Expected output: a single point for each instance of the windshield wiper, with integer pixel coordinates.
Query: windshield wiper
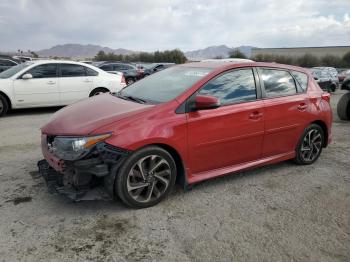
(132, 98)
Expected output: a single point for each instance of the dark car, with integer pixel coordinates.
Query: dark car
(153, 68)
(185, 124)
(6, 63)
(342, 74)
(131, 72)
(325, 79)
(343, 107)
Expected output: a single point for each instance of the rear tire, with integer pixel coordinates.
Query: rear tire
(310, 145)
(4, 105)
(333, 88)
(99, 91)
(343, 107)
(130, 81)
(146, 177)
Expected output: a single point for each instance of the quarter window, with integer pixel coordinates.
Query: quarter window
(70, 70)
(44, 71)
(278, 83)
(233, 87)
(301, 78)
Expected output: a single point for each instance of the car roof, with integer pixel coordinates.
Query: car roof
(227, 65)
(48, 61)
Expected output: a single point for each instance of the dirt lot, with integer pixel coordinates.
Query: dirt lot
(282, 212)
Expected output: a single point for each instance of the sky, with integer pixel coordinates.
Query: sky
(149, 25)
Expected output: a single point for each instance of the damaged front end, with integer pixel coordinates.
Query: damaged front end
(91, 177)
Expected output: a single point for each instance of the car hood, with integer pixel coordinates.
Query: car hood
(83, 117)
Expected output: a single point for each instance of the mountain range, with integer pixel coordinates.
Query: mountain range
(89, 51)
(80, 51)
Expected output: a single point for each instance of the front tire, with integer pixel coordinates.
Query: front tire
(146, 177)
(4, 106)
(343, 107)
(310, 145)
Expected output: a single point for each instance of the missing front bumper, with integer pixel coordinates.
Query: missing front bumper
(55, 184)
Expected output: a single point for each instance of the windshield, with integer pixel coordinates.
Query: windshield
(13, 70)
(165, 85)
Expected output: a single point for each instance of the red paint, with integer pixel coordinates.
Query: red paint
(210, 142)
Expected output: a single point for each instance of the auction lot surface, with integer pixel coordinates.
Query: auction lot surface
(282, 212)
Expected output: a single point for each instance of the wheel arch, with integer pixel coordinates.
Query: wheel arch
(181, 177)
(324, 127)
(7, 99)
(100, 87)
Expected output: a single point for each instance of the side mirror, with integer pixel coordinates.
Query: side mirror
(27, 76)
(202, 102)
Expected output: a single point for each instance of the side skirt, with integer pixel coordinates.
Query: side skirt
(198, 177)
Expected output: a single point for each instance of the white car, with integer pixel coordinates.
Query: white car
(53, 83)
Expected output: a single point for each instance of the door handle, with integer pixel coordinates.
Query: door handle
(87, 81)
(256, 115)
(302, 107)
(51, 83)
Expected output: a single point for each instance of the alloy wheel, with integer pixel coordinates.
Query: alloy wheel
(311, 145)
(148, 179)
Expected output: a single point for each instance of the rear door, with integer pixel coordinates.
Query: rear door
(233, 133)
(74, 83)
(41, 90)
(286, 108)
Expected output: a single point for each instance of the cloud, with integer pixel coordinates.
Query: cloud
(164, 24)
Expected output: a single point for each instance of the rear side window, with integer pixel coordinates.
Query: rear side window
(106, 67)
(44, 71)
(70, 70)
(301, 78)
(90, 72)
(278, 83)
(232, 87)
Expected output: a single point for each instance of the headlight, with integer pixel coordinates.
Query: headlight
(73, 148)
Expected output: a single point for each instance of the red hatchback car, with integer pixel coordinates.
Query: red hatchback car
(187, 123)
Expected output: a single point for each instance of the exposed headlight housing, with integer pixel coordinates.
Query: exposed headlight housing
(73, 148)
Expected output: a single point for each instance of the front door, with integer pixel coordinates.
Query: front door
(231, 134)
(41, 90)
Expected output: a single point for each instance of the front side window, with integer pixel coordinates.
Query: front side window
(301, 78)
(233, 87)
(70, 70)
(278, 83)
(43, 71)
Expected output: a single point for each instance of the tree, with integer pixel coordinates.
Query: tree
(171, 56)
(236, 53)
(346, 60)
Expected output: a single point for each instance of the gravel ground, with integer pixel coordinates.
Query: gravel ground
(282, 212)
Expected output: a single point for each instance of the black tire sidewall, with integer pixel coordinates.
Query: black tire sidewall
(298, 158)
(120, 182)
(5, 105)
(343, 107)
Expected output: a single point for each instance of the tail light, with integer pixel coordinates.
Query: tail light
(326, 97)
(123, 80)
